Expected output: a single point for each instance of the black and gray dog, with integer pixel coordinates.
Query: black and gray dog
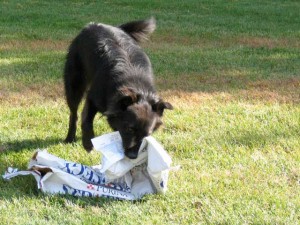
(107, 63)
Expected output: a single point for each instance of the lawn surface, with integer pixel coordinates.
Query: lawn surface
(231, 69)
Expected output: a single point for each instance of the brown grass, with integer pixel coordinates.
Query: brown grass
(35, 45)
(257, 42)
(158, 42)
(184, 90)
(265, 91)
(31, 95)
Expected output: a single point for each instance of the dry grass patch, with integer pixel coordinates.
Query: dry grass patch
(162, 41)
(33, 45)
(178, 92)
(32, 94)
(258, 42)
(276, 90)
(189, 90)
(184, 99)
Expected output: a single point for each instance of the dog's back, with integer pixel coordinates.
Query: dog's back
(111, 54)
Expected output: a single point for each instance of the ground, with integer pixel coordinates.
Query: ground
(231, 69)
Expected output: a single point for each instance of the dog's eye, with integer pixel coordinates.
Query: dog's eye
(129, 130)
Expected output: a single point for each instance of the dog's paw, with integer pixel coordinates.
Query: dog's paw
(69, 140)
(88, 146)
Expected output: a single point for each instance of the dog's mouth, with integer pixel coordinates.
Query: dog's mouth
(132, 153)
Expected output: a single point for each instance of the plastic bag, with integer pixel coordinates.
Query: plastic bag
(117, 177)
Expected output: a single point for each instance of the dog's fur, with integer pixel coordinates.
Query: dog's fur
(108, 64)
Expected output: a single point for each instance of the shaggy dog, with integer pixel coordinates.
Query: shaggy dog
(107, 64)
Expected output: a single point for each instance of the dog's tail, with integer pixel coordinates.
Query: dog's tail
(139, 30)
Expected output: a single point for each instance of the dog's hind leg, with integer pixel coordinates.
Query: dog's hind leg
(88, 115)
(74, 89)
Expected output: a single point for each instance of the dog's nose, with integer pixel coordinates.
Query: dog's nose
(131, 154)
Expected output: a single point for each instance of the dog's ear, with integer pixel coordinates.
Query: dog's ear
(124, 98)
(160, 106)
(127, 97)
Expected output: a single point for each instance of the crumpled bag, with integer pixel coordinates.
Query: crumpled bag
(117, 177)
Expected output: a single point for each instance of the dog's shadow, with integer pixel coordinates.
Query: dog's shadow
(19, 145)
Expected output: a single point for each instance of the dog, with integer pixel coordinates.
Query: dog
(106, 65)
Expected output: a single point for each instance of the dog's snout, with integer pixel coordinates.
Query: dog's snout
(132, 153)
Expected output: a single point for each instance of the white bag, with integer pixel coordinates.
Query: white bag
(117, 177)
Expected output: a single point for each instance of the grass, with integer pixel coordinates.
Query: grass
(230, 68)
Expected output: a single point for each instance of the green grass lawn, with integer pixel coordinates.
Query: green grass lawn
(230, 68)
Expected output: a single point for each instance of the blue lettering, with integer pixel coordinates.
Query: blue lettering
(76, 166)
(73, 168)
(85, 194)
(89, 172)
(84, 172)
(66, 188)
(67, 166)
(101, 191)
(76, 192)
(105, 190)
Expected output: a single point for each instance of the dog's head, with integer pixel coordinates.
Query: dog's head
(135, 117)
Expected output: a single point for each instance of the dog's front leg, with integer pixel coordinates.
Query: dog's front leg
(88, 115)
(72, 128)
